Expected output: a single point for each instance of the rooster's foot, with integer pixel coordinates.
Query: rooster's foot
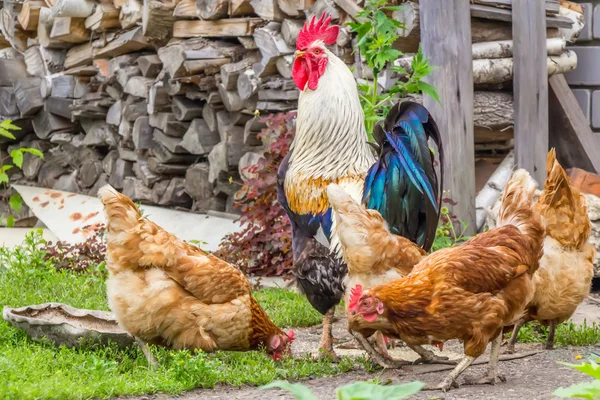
(487, 379)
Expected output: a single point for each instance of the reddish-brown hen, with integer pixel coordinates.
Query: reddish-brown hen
(566, 270)
(468, 292)
(165, 291)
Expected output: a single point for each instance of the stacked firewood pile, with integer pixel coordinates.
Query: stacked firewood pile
(160, 98)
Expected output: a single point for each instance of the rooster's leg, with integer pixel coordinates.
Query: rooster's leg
(429, 357)
(550, 340)
(326, 347)
(491, 376)
(510, 348)
(449, 381)
(375, 356)
(152, 362)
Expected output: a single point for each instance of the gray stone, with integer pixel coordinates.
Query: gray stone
(596, 19)
(595, 109)
(586, 33)
(583, 97)
(588, 71)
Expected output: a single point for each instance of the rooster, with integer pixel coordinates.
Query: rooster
(165, 291)
(331, 146)
(468, 292)
(566, 270)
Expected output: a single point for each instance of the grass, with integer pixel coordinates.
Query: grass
(567, 334)
(31, 370)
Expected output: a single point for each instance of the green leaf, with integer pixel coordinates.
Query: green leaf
(300, 392)
(592, 368)
(17, 157)
(15, 202)
(10, 221)
(3, 177)
(7, 134)
(7, 124)
(585, 390)
(6, 167)
(32, 151)
(429, 90)
(370, 391)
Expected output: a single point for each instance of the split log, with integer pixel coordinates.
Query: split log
(166, 169)
(121, 62)
(231, 72)
(45, 124)
(232, 27)
(209, 115)
(73, 8)
(197, 184)
(284, 66)
(163, 155)
(133, 111)
(492, 190)
(70, 30)
(109, 162)
(232, 100)
(31, 163)
(268, 10)
(251, 129)
(168, 124)
(194, 67)
(572, 34)
(185, 109)
(28, 96)
(240, 8)
(105, 18)
(247, 160)
(143, 172)
(125, 130)
(136, 190)
(217, 160)
(290, 28)
(127, 154)
(11, 71)
(212, 9)
(89, 173)
(99, 134)
(186, 9)
(175, 55)
(158, 99)
(142, 134)
(122, 169)
(247, 84)
(131, 13)
(138, 86)
(8, 102)
(288, 7)
(170, 143)
(114, 116)
(62, 86)
(125, 74)
(278, 95)
(199, 139)
(270, 42)
(59, 106)
(157, 19)
(150, 65)
(30, 15)
(175, 194)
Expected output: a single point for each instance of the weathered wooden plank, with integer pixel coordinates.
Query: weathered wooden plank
(454, 82)
(232, 27)
(576, 145)
(530, 87)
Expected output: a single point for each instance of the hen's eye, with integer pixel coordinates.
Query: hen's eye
(317, 51)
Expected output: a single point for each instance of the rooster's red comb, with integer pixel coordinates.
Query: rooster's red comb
(355, 294)
(317, 31)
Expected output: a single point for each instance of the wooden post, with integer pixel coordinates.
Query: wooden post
(530, 86)
(446, 41)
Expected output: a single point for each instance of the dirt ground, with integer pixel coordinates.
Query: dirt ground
(534, 376)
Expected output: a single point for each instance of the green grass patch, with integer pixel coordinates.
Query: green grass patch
(31, 370)
(567, 334)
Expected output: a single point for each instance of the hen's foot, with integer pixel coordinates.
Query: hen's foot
(510, 349)
(446, 385)
(487, 379)
(435, 359)
(326, 355)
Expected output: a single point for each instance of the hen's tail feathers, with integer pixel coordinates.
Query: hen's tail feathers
(563, 207)
(121, 213)
(517, 209)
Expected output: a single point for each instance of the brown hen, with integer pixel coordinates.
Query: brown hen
(165, 291)
(566, 270)
(468, 292)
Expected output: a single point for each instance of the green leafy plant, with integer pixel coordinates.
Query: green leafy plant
(353, 391)
(450, 230)
(16, 156)
(584, 390)
(376, 33)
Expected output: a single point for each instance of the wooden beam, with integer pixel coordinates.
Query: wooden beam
(448, 46)
(530, 87)
(576, 145)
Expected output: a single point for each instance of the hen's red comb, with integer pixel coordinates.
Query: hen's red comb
(291, 335)
(355, 294)
(315, 31)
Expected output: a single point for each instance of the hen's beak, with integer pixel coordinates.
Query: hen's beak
(299, 53)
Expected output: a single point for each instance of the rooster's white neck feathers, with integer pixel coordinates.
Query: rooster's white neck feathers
(331, 141)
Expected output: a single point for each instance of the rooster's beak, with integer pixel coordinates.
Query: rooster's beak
(299, 53)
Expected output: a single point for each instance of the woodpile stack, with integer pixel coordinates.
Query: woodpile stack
(159, 97)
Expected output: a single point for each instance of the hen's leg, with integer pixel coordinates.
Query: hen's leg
(510, 348)
(491, 377)
(152, 362)
(451, 378)
(326, 346)
(428, 356)
(550, 340)
(382, 346)
(375, 356)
